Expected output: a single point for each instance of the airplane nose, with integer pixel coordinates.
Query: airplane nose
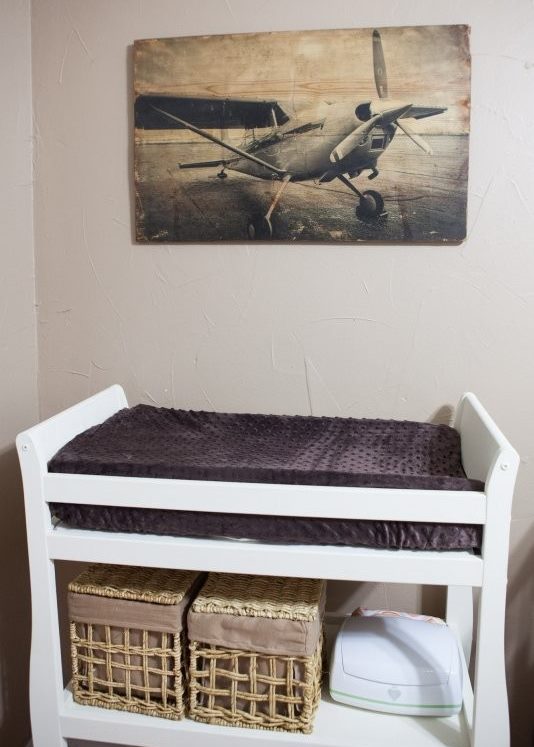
(384, 116)
(390, 115)
(389, 109)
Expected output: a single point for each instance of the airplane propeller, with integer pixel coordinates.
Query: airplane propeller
(378, 113)
(417, 139)
(379, 65)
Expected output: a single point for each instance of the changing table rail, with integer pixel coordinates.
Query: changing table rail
(438, 506)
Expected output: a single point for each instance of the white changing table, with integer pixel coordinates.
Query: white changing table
(487, 455)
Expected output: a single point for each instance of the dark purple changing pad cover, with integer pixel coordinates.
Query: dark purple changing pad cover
(146, 441)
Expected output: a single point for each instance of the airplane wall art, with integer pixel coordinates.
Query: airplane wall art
(346, 135)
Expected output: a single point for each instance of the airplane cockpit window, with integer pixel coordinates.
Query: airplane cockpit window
(377, 142)
(305, 128)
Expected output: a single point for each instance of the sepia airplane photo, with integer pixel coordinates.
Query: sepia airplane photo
(327, 133)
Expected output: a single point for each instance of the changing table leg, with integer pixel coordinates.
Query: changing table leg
(491, 719)
(488, 456)
(46, 678)
(35, 447)
(459, 616)
(46, 682)
(491, 725)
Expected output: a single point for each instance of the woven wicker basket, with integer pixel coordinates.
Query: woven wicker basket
(255, 647)
(127, 640)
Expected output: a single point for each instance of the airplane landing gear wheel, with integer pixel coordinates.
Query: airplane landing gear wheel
(371, 206)
(222, 174)
(260, 229)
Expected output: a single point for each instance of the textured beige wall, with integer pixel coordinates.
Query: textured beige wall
(393, 331)
(18, 357)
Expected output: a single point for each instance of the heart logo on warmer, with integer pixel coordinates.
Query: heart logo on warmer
(394, 693)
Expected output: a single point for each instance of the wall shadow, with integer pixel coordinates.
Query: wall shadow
(520, 643)
(443, 415)
(130, 140)
(15, 617)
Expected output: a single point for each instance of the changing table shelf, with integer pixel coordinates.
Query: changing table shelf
(335, 724)
(440, 567)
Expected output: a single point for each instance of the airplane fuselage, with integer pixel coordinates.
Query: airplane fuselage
(303, 146)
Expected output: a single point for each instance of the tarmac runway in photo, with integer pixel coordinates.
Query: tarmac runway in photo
(424, 196)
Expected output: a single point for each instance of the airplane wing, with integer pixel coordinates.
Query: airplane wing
(206, 164)
(214, 139)
(206, 113)
(420, 112)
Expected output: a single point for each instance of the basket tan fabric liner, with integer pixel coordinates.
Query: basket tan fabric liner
(124, 613)
(153, 599)
(260, 634)
(139, 644)
(234, 620)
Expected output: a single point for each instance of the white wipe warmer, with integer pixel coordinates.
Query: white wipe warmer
(397, 665)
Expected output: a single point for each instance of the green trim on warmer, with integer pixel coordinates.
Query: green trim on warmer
(390, 703)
